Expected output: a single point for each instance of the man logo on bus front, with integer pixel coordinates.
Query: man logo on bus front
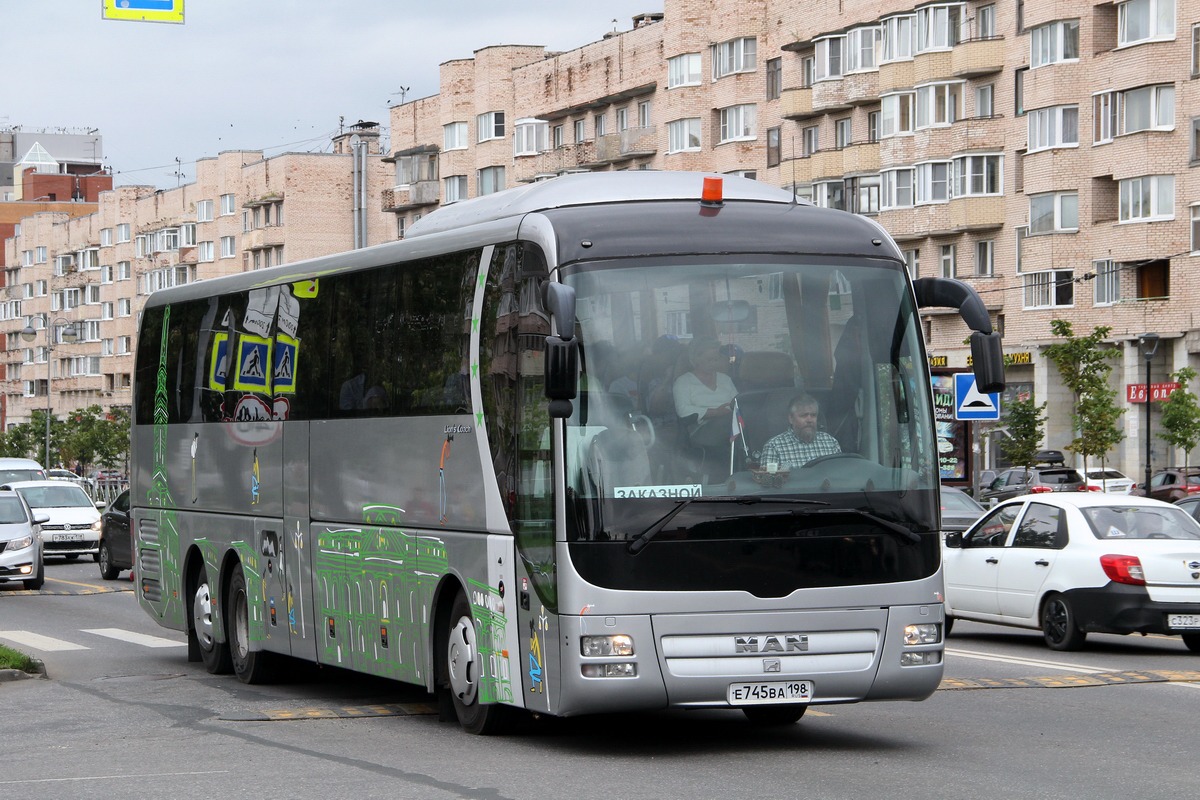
(770, 644)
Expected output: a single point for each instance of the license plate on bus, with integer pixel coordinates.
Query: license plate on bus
(1183, 621)
(767, 692)
(68, 537)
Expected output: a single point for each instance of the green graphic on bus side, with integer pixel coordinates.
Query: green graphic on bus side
(167, 542)
(487, 607)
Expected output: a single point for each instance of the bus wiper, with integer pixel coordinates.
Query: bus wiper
(886, 524)
(645, 536)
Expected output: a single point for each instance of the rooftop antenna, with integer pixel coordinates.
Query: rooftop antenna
(403, 93)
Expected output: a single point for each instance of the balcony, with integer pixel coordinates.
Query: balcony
(979, 133)
(798, 171)
(413, 195)
(861, 88)
(826, 164)
(270, 236)
(554, 162)
(625, 145)
(829, 96)
(977, 57)
(797, 103)
(860, 158)
(895, 75)
(976, 213)
(932, 66)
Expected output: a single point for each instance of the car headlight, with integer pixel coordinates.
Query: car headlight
(96, 526)
(20, 544)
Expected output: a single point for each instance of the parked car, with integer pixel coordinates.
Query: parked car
(63, 475)
(1172, 484)
(72, 527)
(1191, 505)
(1073, 563)
(21, 550)
(1037, 480)
(20, 469)
(116, 545)
(959, 510)
(1109, 480)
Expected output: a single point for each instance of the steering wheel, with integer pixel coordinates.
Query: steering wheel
(639, 420)
(832, 457)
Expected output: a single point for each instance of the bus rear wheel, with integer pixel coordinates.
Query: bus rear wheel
(214, 654)
(250, 666)
(463, 668)
(774, 715)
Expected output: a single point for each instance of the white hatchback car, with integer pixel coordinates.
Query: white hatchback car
(1076, 563)
(73, 525)
(1109, 480)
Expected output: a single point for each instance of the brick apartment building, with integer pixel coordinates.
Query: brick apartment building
(94, 272)
(1043, 152)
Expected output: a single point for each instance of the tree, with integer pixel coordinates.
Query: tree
(1024, 420)
(1083, 364)
(1180, 421)
(96, 436)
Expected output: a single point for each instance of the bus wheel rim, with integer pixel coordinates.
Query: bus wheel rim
(462, 661)
(202, 616)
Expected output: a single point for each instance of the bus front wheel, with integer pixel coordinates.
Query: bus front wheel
(774, 715)
(464, 665)
(250, 666)
(214, 654)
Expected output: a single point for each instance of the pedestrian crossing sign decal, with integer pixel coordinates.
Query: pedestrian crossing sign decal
(970, 403)
(254, 364)
(218, 364)
(283, 368)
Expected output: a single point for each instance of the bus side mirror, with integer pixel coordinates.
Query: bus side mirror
(987, 361)
(561, 365)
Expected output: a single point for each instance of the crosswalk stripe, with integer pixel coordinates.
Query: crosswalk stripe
(135, 638)
(39, 642)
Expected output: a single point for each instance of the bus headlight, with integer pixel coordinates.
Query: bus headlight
(598, 646)
(920, 659)
(626, 670)
(924, 633)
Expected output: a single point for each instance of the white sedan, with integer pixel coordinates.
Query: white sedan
(1109, 480)
(1074, 563)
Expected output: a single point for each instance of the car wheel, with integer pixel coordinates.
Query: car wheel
(36, 582)
(250, 666)
(107, 571)
(462, 668)
(71, 557)
(949, 625)
(1192, 640)
(1059, 626)
(214, 654)
(774, 715)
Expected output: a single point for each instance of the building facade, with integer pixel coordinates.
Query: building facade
(92, 273)
(1043, 152)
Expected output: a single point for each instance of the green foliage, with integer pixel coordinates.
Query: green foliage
(14, 659)
(1083, 362)
(1181, 415)
(91, 436)
(1024, 420)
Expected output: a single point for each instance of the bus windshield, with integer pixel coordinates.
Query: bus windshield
(737, 381)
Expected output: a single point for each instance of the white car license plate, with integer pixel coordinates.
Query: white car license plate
(1183, 621)
(68, 537)
(767, 692)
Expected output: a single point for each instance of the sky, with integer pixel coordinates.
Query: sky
(270, 75)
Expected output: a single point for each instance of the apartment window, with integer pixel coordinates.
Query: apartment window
(738, 122)
(89, 259)
(1195, 50)
(491, 179)
(1148, 198)
(580, 127)
(227, 247)
(842, 133)
(41, 254)
(808, 71)
(938, 27)
(556, 137)
(1104, 117)
(933, 182)
(124, 271)
(683, 70)
(228, 205)
(873, 126)
(599, 125)
(912, 259)
(489, 126)
(1019, 90)
(774, 148)
(106, 237)
(683, 135)
(622, 119)
(985, 258)
(984, 97)
(124, 344)
(1147, 108)
(411, 169)
(981, 174)
(1057, 126)
(899, 38)
(829, 58)
(1143, 20)
(774, 78)
(206, 251)
(896, 114)
(26, 258)
(897, 188)
(1195, 139)
(862, 194)
(124, 307)
(737, 55)
(644, 114)
(830, 194)
(938, 104)
(187, 232)
(454, 136)
(948, 261)
(862, 49)
(1053, 213)
(123, 232)
(529, 137)
(106, 274)
(985, 22)
(1050, 289)
(106, 311)
(810, 141)
(455, 188)
(1054, 43)
(204, 211)
(1107, 282)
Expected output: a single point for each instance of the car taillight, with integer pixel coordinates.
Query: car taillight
(1090, 489)
(1040, 490)
(1123, 569)
(1191, 488)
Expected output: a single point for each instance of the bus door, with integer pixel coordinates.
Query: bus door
(273, 569)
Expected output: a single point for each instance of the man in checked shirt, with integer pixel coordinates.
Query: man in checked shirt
(802, 442)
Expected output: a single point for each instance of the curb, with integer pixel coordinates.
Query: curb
(20, 675)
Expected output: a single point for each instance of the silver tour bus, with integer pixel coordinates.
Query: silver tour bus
(480, 459)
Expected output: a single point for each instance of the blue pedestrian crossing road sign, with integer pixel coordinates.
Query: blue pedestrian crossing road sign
(970, 403)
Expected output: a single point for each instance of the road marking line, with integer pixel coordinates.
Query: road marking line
(135, 638)
(117, 777)
(94, 586)
(39, 642)
(1026, 662)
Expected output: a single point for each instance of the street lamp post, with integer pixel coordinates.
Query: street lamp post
(69, 335)
(1149, 344)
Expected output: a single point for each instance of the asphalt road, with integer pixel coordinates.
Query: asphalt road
(123, 713)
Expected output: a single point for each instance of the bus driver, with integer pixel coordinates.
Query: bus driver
(802, 442)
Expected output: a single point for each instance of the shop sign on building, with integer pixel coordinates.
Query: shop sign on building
(1136, 392)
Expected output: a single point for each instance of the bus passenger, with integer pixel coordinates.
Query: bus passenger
(705, 394)
(801, 442)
